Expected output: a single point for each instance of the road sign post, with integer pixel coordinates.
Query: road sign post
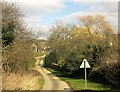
(85, 76)
(85, 65)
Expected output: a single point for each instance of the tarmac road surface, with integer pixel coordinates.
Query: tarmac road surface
(51, 82)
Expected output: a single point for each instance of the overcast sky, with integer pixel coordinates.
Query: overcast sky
(47, 12)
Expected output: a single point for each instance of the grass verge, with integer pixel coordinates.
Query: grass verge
(41, 83)
(79, 84)
(30, 80)
(31, 64)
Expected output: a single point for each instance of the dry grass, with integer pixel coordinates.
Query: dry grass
(31, 80)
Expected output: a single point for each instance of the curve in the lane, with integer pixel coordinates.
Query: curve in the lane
(52, 82)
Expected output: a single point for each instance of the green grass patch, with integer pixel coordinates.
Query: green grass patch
(31, 64)
(57, 73)
(79, 84)
(38, 54)
(41, 83)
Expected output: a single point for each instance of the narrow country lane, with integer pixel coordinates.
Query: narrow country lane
(51, 81)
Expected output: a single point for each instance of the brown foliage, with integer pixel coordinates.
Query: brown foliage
(18, 54)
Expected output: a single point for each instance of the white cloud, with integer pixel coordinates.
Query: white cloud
(32, 19)
(90, 0)
(42, 30)
(33, 10)
(40, 6)
(104, 6)
(109, 10)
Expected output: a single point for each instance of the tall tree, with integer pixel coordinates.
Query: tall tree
(16, 39)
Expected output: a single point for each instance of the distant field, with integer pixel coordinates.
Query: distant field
(78, 84)
(38, 54)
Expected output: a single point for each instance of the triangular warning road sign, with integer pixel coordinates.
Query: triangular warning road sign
(85, 64)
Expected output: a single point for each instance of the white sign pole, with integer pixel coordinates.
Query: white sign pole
(85, 75)
(85, 65)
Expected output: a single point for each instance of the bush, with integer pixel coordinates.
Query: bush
(72, 62)
(50, 58)
(15, 52)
